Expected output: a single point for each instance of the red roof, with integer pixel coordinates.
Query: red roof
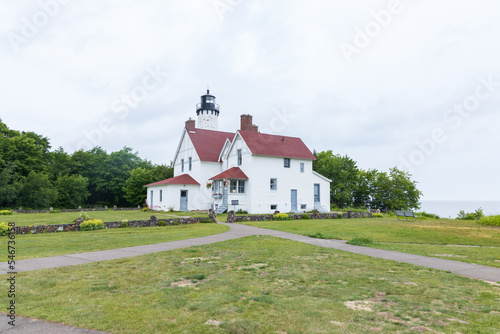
(181, 179)
(208, 143)
(276, 146)
(232, 173)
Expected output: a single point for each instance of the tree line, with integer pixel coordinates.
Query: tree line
(353, 187)
(32, 176)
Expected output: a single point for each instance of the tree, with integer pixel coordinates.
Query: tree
(72, 191)
(344, 175)
(9, 186)
(135, 192)
(37, 191)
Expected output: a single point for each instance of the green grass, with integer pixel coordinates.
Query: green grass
(22, 219)
(422, 237)
(51, 244)
(257, 284)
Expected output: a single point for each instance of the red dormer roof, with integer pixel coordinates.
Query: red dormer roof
(181, 179)
(276, 146)
(208, 143)
(232, 173)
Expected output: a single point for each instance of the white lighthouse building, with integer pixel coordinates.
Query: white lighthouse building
(246, 169)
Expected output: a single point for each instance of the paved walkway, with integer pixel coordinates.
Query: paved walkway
(28, 326)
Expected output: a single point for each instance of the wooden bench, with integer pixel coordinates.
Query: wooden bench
(406, 214)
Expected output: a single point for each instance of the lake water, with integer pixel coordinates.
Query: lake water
(446, 209)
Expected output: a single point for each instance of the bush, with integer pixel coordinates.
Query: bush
(5, 212)
(305, 216)
(4, 229)
(424, 215)
(206, 221)
(145, 209)
(241, 212)
(281, 216)
(124, 223)
(55, 211)
(92, 224)
(162, 223)
(360, 241)
(85, 216)
(490, 220)
(377, 215)
(477, 215)
(339, 215)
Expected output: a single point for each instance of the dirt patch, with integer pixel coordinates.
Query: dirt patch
(360, 305)
(200, 260)
(215, 323)
(184, 283)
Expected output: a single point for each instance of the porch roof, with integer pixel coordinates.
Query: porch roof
(181, 179)
(232, 173)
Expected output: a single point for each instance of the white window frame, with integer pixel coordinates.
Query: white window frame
(287, 162)
(182, 165)
(275, 184)
(190, 163)
(302, 167)
(239, 154)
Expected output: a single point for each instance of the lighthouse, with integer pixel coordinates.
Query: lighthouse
(208, 112)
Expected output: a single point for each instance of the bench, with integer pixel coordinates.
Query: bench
(406, 214)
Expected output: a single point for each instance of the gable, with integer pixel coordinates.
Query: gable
(208, 143)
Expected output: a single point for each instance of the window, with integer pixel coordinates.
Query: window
(303, 206)
(240, 158)
(274, 184)
(302, 167)
(161, 195)
(182, 165)
(286, 162)
(190, 163)
(235, 202)
(217, 187)
(237, 187)
(241, 186)
(274, 206)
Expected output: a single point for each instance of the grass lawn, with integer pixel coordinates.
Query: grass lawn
(23, 219)
(426, 237)
(258, 284)
(51, 244)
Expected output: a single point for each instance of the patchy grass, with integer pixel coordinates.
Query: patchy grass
(51, 244)
(22, 219)
(429, 237)
(258, 284)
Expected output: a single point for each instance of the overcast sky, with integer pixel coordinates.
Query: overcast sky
(414, 84)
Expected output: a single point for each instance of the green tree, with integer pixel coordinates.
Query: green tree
(135, 192)
(37, 191)
(344, 175)
(9, 186)
(72, 191)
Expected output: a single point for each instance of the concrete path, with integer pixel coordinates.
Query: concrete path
(32, 326)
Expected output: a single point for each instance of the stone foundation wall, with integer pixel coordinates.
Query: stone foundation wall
(232, 218)
(76, 210)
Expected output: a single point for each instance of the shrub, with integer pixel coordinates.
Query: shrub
(339, 215)
(5, 212)
(4, 229)
(145, 209)
(92, 224)
(162, 223)
(55, 211)
(490, 220)
(242, 212)
(360, 241)
(477, 215)
(124, 223)
(281, 216)
(377, 215)
(305, 216)
(206, 221)
(85, 216)
(424, 215)
(170, 209)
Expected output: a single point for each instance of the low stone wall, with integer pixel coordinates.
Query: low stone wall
(232, 218)
(76, 210)
(153, 221)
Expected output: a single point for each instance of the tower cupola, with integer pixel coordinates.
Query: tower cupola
(208, 112)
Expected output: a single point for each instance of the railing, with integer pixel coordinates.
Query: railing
(211, 106)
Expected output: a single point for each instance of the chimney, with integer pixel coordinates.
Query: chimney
(190, 124)
(246, 124)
